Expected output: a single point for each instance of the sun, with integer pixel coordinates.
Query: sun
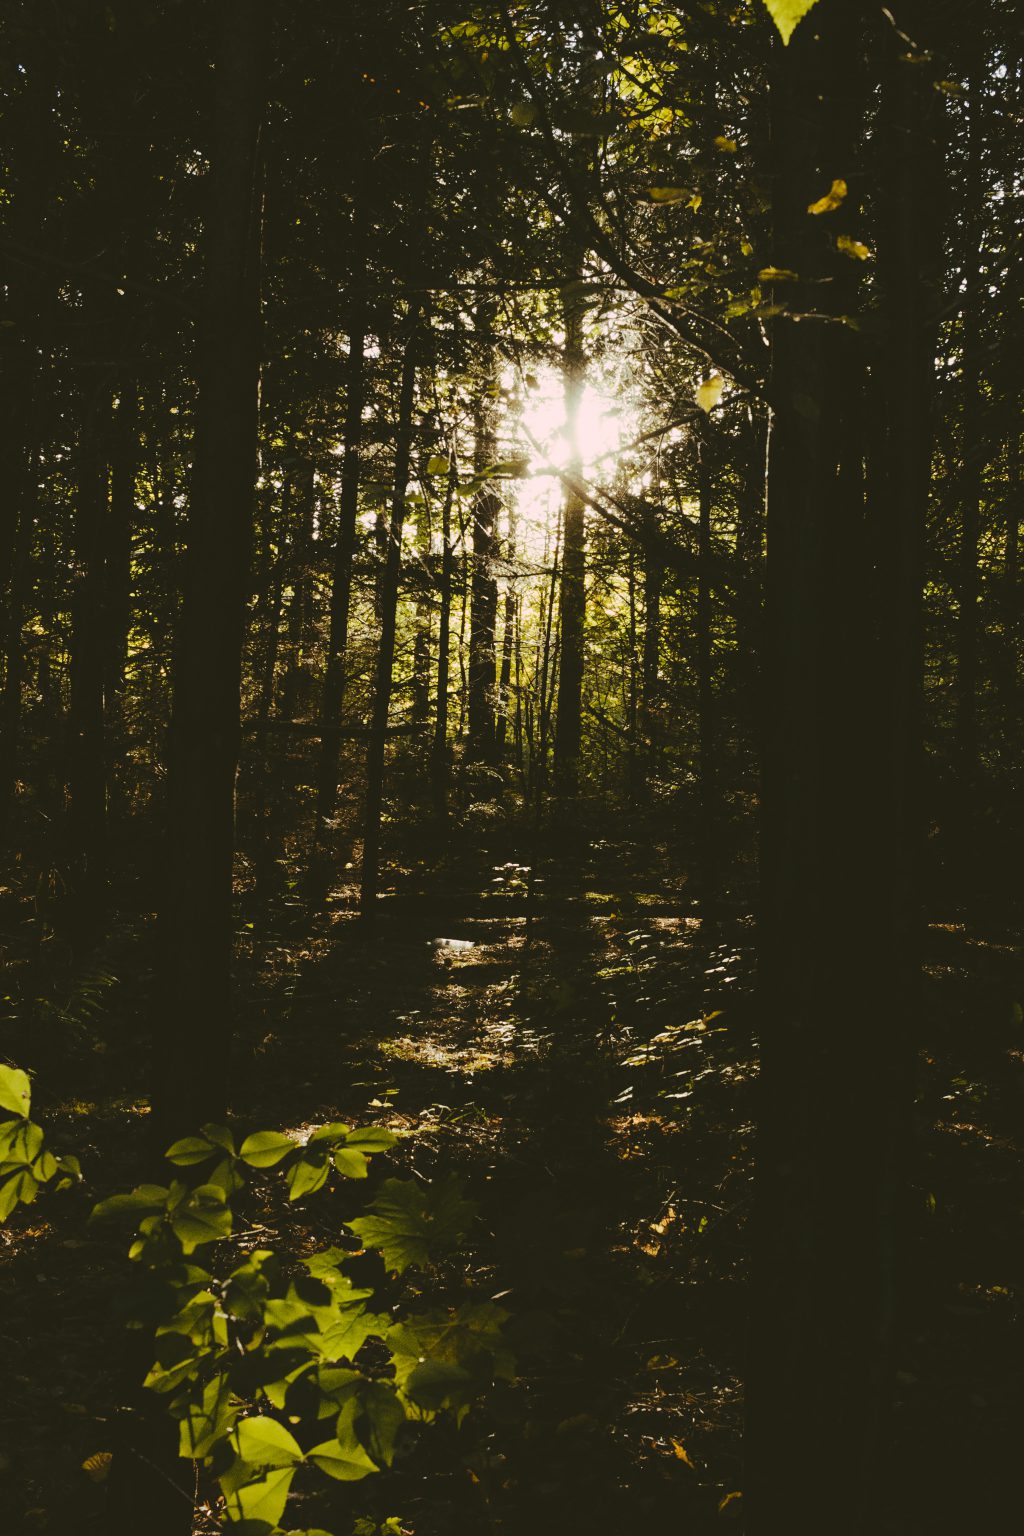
(599, 426)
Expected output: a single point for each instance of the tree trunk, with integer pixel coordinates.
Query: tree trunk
(118, 589)
(341, 586)
(193, 1039)
(440, 759)
(972, 455)
(572, 597)
(838, 921)
(706, 766)
(507, 635)
(654, 576)
(390, 577)
(484, 605)
(87, 754)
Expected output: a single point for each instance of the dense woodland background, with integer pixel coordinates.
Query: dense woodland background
(510, 553)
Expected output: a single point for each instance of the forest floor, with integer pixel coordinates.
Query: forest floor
(581, 1052)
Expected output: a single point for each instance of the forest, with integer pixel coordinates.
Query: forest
(511, 823)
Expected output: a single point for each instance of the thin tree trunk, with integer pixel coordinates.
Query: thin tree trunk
(333, 701)
(440, 759)
(390, 577)
(87, 754)
(118, 588)
(654, 577)
(572, 600)
(706, 765)
(509, 622)
(484, 606)
(972, 453)
(193, 1039)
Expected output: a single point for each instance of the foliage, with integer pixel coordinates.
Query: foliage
(26, 1163)
(253, 1335)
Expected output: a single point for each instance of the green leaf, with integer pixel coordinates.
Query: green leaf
(329, 1134)
(15, 1091)
(307, 1176)
(787, 15)
(147, 1197)
(709, 393)
(264, 1498)
(263, 1442)
(220, 1136)
(412, 1223)
(22, 1189)
(206, 1424)
(21, 1141)
(44, 1167)
(265, 1148)
(202, 1218)
(668, 194)
(371, 1139)
(436, 465)
(189, 1151)
(381, 1419)
(350, 1163)
(347, 1463)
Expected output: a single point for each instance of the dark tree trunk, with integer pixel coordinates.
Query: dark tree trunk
(193, 1038)
(390, 576)
(654, 576)
(572, 597)
(294, 690)
(87, 768)
(484, 606)
(20, 469)
(507, 636)
(706, 765)
(333, 701)
(118, 588)
(838, 924)
(440, 759)
(972, 456)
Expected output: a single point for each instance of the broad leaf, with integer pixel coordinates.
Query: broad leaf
(264, 1498)
(347, 1463)
(265, 1148)
(787, 15)
(263, 1442)
(15, 1091)
(412, 1223)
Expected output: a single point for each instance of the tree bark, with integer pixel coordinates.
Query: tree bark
(484, 594)
(87, 767)
(838, 921)
(572, 596)
(341, 585)
(440, 760)
(390, 576)
(193, 1039)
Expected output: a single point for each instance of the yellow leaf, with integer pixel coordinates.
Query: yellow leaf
(668, 194)
(731, 1506)
(851, 247)
(777, 275)
(727, 145)
(787, 14)
(98, 1466)
(710, 392)
(832, 199)
(680, 1451)
(695, 201)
